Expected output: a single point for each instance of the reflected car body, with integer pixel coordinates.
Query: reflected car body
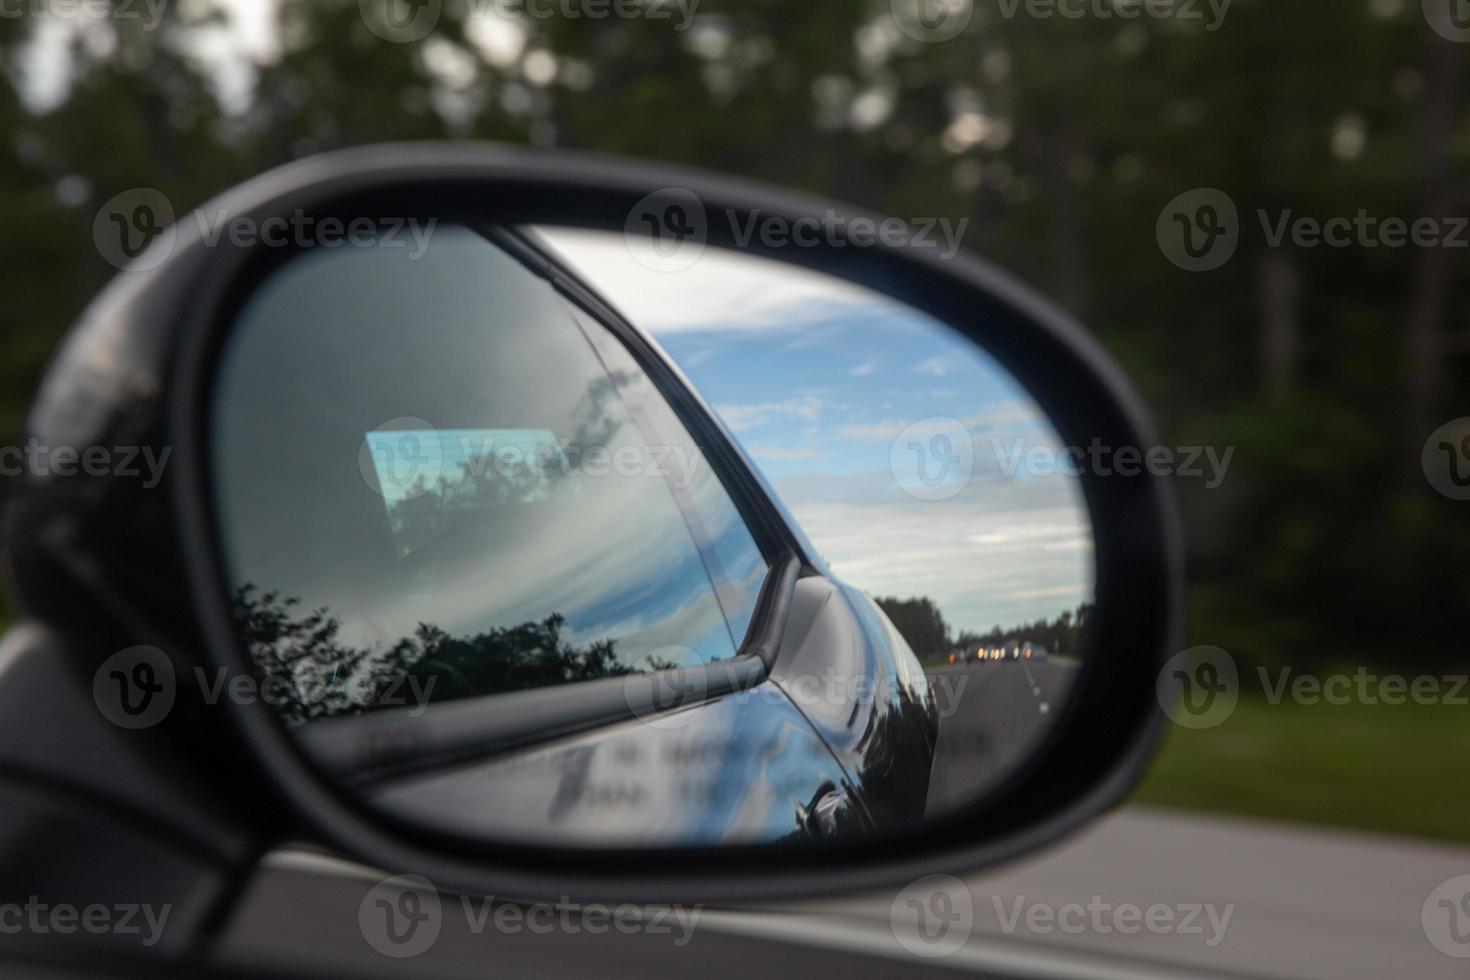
(839, 737)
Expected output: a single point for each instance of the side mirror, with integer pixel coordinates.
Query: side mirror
(559, 526)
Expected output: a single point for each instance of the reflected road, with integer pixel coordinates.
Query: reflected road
(991, 713)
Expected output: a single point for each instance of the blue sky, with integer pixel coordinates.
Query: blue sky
(845, 400)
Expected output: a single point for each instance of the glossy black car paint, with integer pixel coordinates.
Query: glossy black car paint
(748, 766)
(105, 564)
(738, 769)
(838, 642)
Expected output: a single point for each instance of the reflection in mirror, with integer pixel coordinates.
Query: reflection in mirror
(922, 471)
(502, 576)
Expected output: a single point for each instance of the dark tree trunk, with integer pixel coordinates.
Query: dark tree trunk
(1280, 326)
(1433, 274)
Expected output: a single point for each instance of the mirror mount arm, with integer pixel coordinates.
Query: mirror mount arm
(772, 612)
(366, 749)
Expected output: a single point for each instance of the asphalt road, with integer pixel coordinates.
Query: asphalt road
(990, 715)
(1304, 902)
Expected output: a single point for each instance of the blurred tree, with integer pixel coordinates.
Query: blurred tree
(1063, 139)
(1061, 636)
(920, 623)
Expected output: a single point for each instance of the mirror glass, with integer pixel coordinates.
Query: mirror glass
(729, 553)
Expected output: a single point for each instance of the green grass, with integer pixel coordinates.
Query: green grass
(1397, 769)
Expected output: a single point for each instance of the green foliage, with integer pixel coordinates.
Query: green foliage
(1372, 767)
(920, 623)
(1324, 537)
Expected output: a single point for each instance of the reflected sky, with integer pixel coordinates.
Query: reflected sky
(821, 381)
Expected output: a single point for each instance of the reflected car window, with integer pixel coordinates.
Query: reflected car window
(434, 469)
(731, 556)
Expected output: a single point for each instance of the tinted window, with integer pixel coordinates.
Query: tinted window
(426, 467)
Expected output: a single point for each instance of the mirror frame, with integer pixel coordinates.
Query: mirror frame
(1095, 751)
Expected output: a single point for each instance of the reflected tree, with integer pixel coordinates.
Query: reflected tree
(923, 627)
(1062, 636)
(492, 476)
(302, 664)
(310, 673)
(425, 512)
(435, 523)
(516, 658)
(920, 622)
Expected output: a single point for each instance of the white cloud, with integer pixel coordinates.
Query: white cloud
(742, 418)
(991, 416)
(782, 454)
(1003, 551)
(936, 366)
(723, 290)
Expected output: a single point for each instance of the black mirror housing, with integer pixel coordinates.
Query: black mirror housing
(115, 564)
